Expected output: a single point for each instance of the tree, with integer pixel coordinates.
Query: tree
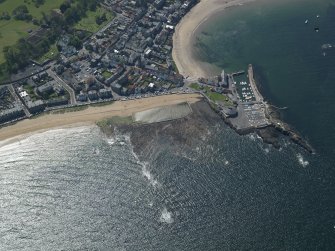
(76, 42)
(64, 6)
(38, 3)
(22, 13)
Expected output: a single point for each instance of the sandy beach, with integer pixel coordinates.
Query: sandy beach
(92, 114)
(183, 37)
(183, 57)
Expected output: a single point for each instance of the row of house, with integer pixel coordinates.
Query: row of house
(11, 114)
(95, 95)
(129, 54)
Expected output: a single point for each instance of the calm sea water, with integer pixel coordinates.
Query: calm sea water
(228, 193)
(291, 67)
(231, 192)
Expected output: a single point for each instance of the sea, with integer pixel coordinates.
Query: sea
(79, 189)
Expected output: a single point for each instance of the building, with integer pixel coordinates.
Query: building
(93, 95)
(116, 88)
(230, 112)
(11, 114)
(82, 97)
(223, 79)
(46, 88)
(57, 102)
(105, 94)
(35, 106)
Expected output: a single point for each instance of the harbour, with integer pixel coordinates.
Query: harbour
(193, 183)
(248, 112)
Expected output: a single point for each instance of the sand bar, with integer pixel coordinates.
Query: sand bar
(183, 37)
(93, 114)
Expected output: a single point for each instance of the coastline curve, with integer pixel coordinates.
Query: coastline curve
(182, 53)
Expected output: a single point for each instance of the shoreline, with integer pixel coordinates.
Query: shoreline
(89, 116)
(183, 38)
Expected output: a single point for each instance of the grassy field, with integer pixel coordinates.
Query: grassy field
(12, 30)
(88, 23)
(214, 96)
(195, 86)
(107, 74)
(51, 54)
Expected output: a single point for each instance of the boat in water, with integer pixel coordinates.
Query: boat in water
(306, 21)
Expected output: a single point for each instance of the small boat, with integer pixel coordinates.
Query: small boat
(316, 29)
(306, 21)
(317, 16)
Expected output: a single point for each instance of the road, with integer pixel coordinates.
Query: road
(65, 85)
(12, 91)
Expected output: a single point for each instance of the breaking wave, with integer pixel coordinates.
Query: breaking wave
(166, 216)
(301, 160)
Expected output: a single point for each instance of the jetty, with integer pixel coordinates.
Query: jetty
(237, 73)
(257, 94)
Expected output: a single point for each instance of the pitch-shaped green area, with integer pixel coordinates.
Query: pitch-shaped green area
(51, 54)
(89, 23)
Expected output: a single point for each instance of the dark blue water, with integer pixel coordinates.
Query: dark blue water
(292, 69)
(230, 192)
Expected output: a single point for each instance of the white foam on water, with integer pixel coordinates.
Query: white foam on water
(110, 141)
(146, 173)
(252, 137)
(301, 160)
(118, 138)
(145, 170)
(166, 216)
(96, 151)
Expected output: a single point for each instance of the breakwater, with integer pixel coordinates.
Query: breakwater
(256, 116)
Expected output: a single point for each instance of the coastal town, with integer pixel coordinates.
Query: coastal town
(130, 58)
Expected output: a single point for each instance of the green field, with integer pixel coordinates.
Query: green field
(51, 54)
(88, 23)
(214, 96)
(195, 86)
(12, 30)
(107, 74)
